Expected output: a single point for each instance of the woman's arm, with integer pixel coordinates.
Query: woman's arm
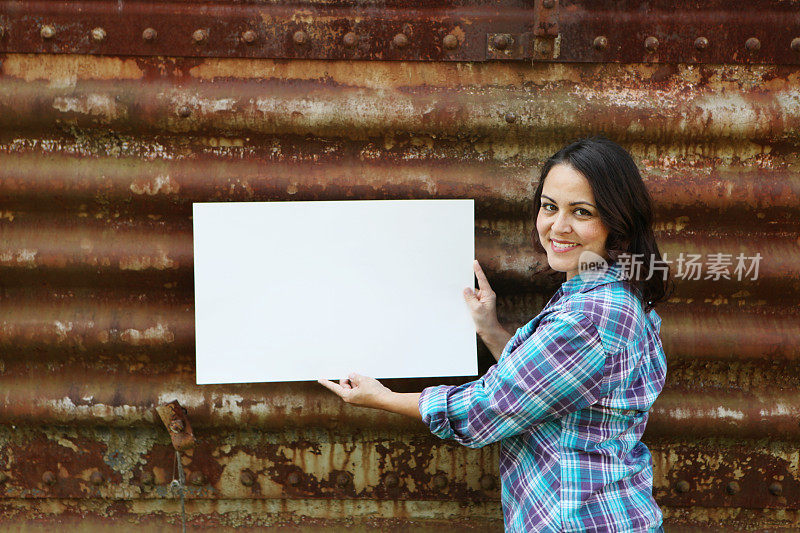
(495, 339)
(369, 392)
(404, 403)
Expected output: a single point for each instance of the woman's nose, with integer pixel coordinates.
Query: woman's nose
(561, 224)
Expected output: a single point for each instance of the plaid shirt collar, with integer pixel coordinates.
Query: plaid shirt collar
(589, 280)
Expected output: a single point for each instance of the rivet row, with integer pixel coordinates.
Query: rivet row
(300, 37)
(400, 40)
(701, 43)
(731, 488)
(390, 480)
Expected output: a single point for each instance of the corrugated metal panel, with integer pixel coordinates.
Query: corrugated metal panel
(101, 158)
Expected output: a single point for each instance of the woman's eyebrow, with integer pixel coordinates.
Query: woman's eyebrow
(573, 203)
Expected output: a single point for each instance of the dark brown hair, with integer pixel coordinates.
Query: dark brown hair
(625, 208)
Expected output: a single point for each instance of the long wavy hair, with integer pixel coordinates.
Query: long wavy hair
(625, 207)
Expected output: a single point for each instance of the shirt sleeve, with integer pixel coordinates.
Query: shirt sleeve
(558, 370)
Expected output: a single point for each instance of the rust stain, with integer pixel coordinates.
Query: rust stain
(67, 70)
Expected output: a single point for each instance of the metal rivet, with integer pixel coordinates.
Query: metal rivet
(49, 478)
(249, 36)
(487, 482)
(549, 4)
(500, 42)
(300, 37)
(342, 479)
(701, 43)
(350, 39)
(682, 486)
(440, 481)
(776, 489)
(450, 41)
(247, 478)
(199, 36)
(3, 477)
(184, 112)
(732, 487)
(98, 34)
(391, 481)
(177, 425)
(400, 40)
(149, 34)
(795, 46)
(752, 44)
(293, 479)
(600, 43)
(511, 118)
(196, 478)
(650, 44)
(47, 32)
(148, 478)
(96, 478)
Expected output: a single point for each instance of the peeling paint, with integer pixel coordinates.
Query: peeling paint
(161, 184)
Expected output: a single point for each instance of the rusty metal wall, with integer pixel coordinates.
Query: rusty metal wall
(102, 153)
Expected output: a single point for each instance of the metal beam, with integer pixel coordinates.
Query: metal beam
(713, 31)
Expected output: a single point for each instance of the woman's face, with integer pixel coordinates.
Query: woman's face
(568, 221)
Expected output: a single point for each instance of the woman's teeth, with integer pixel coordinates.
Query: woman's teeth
(558, 246)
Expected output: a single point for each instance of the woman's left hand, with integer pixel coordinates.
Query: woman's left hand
(359, 390)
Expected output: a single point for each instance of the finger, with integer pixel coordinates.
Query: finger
(334, 387)
(344, 382)
(483, 283)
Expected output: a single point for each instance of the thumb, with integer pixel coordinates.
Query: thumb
(469, 294)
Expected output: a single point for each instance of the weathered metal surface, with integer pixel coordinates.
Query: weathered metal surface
(710, 31)
(173, 415)
(251, 30)
(363, 516)
(365, 464)
(102, 157)
(248, 107)
(713, 31)
(120, 400)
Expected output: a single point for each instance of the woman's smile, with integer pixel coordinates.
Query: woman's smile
(562, 246)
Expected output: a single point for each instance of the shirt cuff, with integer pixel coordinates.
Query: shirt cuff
(433, 406)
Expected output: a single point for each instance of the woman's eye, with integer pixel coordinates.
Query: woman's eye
(583, 212)
(547, 207)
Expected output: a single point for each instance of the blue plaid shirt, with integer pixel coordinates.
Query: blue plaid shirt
(568, 400)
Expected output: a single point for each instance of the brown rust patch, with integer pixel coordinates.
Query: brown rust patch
(67, 69)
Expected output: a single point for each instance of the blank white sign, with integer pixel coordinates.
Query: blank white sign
(296, 291)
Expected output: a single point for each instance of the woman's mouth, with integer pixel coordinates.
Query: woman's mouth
(562, 246)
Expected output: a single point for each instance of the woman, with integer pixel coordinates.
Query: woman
(569, 396)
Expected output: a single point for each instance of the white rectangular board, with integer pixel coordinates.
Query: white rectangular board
(296, 291)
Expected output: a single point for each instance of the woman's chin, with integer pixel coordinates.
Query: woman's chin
(561, 266)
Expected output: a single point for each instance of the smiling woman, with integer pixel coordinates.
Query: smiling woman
(569, 397)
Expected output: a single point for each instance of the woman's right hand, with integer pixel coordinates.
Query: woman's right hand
(482, 303)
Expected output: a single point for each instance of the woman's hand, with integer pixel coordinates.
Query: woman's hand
(360, 390)
(483, 303)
